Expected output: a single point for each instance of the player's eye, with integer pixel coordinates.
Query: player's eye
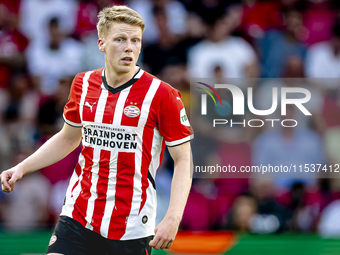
(119, 39)
(135, 40)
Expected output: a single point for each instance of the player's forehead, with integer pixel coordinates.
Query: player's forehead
(121, 28)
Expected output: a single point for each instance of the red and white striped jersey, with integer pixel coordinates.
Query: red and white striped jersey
(124, 133)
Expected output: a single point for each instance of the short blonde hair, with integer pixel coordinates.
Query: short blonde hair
(120, 13)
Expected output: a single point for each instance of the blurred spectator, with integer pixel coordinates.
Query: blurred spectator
(51, 109)
(263, 97)
(12, 46)
(35, 16)
(86, 18)
(211, 199)
(259, 16)
(22, 102)
(318, 19)
(202, 209)
(205, 208)
(19, 117)
(263, 191)
(92, 57)
(265, 195)
(329, 225)
(101, 4)
(234, 55)
(49, 61)
(50, 121)
(157, 55)
(276, 47)
(163, 185)
(332, 144)
(175, 13)
(323, 59)
(27, 207)
(331, 109)
(4, 97)
(57, 198)
(208, 10)
(86, 31)
(170, 50)
(196, 29)
(302, 205)
(244, 208)
(232, 148)
(236, 152)
(286, 146)
(331, 139)
(63, 169)
(11, 5)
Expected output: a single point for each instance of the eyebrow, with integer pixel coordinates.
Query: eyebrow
(124, 34)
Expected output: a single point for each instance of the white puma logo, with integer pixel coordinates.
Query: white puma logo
(88, 104)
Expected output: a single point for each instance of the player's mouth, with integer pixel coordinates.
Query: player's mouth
(127, 60)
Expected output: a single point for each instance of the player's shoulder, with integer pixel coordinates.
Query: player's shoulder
(90, 76)
(164, 88)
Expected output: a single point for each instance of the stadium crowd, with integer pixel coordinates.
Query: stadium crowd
(44, 43)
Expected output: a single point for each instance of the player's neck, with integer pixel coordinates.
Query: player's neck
(115, 79)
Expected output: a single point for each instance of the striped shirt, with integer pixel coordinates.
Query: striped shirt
(124, 133)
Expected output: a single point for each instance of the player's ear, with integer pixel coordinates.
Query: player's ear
(101, 44)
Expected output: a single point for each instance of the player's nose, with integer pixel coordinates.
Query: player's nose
(128, 46)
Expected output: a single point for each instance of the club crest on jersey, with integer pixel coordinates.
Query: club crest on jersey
(131, 111)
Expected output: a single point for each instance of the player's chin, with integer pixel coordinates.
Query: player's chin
(125, 68)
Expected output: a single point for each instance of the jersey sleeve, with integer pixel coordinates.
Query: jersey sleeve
(174, 124)
(71, 110)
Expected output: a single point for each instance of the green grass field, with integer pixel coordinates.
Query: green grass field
(284, 244)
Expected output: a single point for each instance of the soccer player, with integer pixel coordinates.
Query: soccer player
(124, 117)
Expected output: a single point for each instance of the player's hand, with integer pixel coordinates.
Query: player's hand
(165, 234)
(9, 177)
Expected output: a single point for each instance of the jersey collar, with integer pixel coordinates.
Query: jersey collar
(125, 85)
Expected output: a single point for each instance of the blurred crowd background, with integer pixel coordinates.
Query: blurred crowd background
(44, 43)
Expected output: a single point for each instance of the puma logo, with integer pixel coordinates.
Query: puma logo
(88, 104)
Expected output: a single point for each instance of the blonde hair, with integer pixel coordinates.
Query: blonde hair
(120, 13)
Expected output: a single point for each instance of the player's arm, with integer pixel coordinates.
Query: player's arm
(166, 231)
(55, 149)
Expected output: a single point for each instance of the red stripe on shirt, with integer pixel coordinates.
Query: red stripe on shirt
(103, 179)
(92, 97)
(134, 101)
(110, 107)
(78, 172)
(80, 206)
(71, 109)
(123, 195)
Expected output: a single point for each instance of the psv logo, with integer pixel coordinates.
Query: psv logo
(131, 111)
